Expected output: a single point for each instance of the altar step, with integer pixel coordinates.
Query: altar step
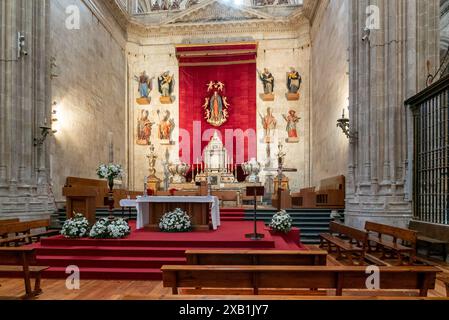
(311, 222)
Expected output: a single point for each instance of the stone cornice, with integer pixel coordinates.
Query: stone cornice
(179, 25)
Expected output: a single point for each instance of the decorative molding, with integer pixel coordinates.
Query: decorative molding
(210, 17)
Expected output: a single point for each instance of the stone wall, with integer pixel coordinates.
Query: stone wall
(90, 92)
(278, 51)
(330, 89)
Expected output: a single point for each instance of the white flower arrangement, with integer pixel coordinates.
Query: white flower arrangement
(76, 227)
(110, 229)
(110, 171)
(281, 222)
(175, 221)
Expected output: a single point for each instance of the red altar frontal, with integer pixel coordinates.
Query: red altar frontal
(234, 66)
(141, 255)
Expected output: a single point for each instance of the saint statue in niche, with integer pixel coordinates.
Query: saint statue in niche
(294, 81)
(292, 120)
(166, 82)
(269, 124)
(216, 105)
(166, 127)
(268, 85)
(145, 87)
(144, 127)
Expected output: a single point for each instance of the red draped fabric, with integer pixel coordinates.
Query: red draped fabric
(239, 76)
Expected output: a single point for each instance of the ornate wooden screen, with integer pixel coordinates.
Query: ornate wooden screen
(431, 153)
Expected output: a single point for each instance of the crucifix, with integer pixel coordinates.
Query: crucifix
(280, 171)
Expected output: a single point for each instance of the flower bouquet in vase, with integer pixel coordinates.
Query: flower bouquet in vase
(110, 172)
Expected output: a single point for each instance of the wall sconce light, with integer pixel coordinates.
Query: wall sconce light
(343, 124)
(46, 129)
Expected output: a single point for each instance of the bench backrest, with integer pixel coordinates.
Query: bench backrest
(7, 221)
(226, 195)
(395, 232)
(256, 257)
(21, 227)
(74, 181)
(353, 233)
(333, 183)
(22, 256)
(300, 277)
(435, 231)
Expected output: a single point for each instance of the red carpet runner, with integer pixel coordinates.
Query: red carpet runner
(141, 255)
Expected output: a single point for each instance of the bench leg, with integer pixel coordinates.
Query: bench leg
(37, 285)
(447, 290)
(174, 290)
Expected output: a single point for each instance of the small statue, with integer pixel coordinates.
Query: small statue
(166, 127)
(166, 82)
(144, 128)
(294, 81)
(145, 87)
(292, 120)
(268, 84)
(269, 124)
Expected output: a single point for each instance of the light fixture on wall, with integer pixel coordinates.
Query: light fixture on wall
(46, 129)
(344, 125)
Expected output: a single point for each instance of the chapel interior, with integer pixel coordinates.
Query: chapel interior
(158, 149)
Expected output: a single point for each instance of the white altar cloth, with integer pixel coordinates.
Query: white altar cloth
(142, 206)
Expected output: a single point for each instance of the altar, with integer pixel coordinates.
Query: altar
(150, 209)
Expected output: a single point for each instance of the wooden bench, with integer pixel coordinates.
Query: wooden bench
(256, 257)
(392, 247)
(356, 246)
(305, 198)
(22, 232)
(297, 277)
(227, 195)
(331, 193)
(21, 260)
(432, 236)
(8, 221)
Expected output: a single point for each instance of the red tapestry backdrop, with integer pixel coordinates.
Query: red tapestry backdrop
(239, 132)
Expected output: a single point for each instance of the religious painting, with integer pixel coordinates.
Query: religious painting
(144, 127)
(145, 86)
(166, 127)
(294, 81)
(166, 85)
(292, 121)
(216, 104)
(269, 124)
(268, 85)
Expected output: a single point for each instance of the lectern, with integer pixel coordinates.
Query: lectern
(256, 192)
(81, 200)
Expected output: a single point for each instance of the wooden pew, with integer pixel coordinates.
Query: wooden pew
(297, 277)
(256, 257)
(305, 198)
(100, 188)
(22, 231)
(356, 246)
(227, 195)
(445, 280)
(431, 235)
(392, 245)
(21, 260)
(331, 193)
(7, 221)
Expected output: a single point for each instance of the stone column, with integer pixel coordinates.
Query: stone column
(384, 71)
(24, 104)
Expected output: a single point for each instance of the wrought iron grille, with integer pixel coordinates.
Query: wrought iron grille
(431, 153)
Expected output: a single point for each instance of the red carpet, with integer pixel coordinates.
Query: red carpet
(140, 256)
(232, 214)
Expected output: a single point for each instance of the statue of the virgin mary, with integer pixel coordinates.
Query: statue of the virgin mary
(216, 106)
